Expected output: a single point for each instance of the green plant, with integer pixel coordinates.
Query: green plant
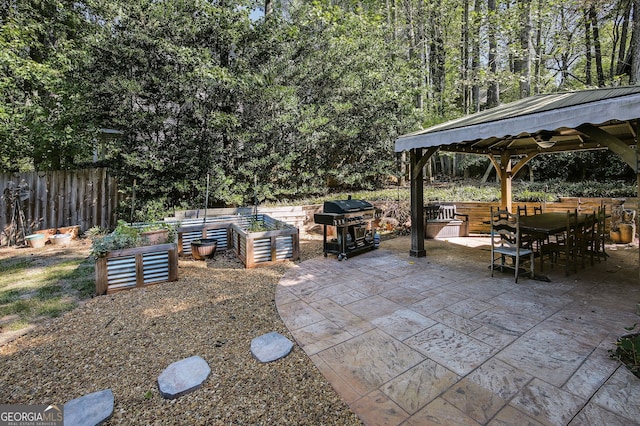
(123, 236)
(627, 350)
(257, 225)
(172, 228)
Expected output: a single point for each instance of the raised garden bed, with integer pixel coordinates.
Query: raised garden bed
(256, 239)
(136, 267)
(270, 242)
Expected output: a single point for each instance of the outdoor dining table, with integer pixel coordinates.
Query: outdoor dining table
(547, 223)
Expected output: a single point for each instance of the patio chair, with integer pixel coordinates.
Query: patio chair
(586, 239)
(531, 240)
(566, 244)
(505, 243)
(600, 233)
(522, 210)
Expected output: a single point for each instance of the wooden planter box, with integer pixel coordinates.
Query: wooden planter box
(265, 248)
(136, 267)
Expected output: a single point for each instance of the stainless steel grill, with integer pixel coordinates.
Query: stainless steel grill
(352, 219)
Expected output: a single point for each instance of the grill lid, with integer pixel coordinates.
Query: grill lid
(346, 206)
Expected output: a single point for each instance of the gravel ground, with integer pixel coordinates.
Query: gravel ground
(124, 341)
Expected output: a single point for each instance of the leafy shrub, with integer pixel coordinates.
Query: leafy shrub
(124, 236)
(627, 351)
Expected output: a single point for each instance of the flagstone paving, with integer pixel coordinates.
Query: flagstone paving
(437, 340)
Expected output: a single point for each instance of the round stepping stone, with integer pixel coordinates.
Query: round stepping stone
(183, 377)
(270, 347)
(89, 410)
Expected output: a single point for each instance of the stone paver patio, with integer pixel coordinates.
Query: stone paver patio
(437, 340)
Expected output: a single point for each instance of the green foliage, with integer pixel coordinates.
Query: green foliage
(472, 191)
(627, 351)
(306, 101)
(122, 237)
(126, 236)
(43, 110)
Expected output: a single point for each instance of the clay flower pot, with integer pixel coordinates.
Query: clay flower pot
(204, 248)
(157, 236)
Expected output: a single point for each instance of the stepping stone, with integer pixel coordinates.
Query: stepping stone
(89, 410)
(270, 347)
(183, 377)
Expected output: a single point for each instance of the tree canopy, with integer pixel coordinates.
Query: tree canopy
(301, 100)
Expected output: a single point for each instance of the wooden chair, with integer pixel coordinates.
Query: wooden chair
(534, 240)
(564, 244)
(586, 239)
(601, 233)
(505, 243)
(570, 245)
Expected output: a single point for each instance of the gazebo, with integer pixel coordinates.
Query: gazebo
(514, 133)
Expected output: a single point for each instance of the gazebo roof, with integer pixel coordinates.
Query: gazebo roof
(568, 121)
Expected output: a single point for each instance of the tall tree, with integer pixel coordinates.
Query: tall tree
(634, 72)
(493, 91)
(43, 111)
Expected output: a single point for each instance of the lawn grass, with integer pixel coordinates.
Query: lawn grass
(36, 287)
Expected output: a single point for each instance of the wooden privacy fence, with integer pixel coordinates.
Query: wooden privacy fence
(86, 197)
(479, 212)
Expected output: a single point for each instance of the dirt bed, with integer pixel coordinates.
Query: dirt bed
(124, 341)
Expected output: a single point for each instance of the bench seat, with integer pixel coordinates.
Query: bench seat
(442, 220)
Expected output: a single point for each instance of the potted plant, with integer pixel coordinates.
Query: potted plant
(627, 350)
(157, 233)
(122, 237)
(204, 248)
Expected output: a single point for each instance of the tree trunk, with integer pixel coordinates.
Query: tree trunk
(464, 59)
(475, 56)
(622, 64)
(537, 49)
(493, 92)
(437, 62)
(413, 46)
(522, 63)
(587, 49)
(596, 45)
(634, 74)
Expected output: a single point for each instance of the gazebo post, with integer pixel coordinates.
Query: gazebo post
(417, 203)
(505, 180)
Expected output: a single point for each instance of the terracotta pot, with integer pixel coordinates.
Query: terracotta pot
(159, 236)
(624, 234)
(615, 236)
(203, 249)
(35, 240)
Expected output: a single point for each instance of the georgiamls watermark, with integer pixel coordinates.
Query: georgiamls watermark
(31, 415)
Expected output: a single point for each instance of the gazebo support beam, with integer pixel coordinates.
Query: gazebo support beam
(417, 161)
(628, 154)
(505, 172)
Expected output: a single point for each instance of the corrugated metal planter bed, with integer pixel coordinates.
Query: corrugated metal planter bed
(136, 267)
(276, 241)
(270, 242)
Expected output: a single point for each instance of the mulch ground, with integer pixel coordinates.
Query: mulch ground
(125, 340)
